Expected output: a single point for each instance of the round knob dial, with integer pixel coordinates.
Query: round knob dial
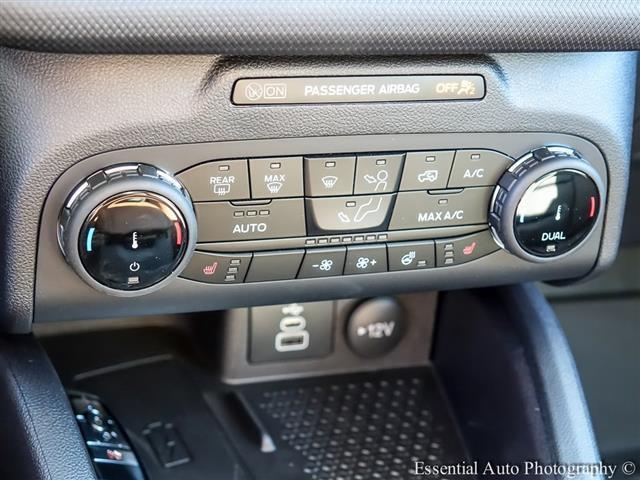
(128, 230)
(546, 204)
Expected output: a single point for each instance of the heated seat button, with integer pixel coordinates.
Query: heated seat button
(323, 262)
(366, 259)
(221, 180)
(225, 221)
(425, 210)
(426, 170)
(478, 168)
(455, 251)
(411, 255)
(329, 176)
(378, 173)
(267, 266)
(276, 177)
(217, 267)
(345, 214)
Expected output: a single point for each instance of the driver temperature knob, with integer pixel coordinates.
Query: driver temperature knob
(546, 204)
(128, 230)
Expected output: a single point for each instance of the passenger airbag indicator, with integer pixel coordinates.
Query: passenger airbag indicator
(396, 88)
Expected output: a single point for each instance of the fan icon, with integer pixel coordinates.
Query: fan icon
(325, 265)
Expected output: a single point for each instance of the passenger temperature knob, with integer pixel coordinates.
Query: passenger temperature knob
(127, 230)
(546, 204)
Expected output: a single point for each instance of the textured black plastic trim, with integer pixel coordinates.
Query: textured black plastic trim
(518, 385)
(306, 27)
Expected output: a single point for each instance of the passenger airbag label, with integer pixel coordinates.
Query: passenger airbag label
(398, 88)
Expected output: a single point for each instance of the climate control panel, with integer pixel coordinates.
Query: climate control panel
(129, 229)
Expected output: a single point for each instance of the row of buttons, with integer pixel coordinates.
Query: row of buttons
(265, 178)
(327, 262)
(282, 218)
(111, 454)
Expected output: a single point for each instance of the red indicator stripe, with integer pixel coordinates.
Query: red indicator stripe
(178, 233)
(592, 209)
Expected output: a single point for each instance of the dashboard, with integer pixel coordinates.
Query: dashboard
(265, 239)
(252, 186)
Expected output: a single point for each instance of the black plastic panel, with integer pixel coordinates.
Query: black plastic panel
(123, 102)
(498, 267)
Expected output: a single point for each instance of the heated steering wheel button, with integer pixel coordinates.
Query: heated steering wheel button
(411, 255)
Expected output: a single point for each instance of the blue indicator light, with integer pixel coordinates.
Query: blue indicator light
(90, 238)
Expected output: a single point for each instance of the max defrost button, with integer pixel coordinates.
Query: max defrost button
(377, 173)
(342, 214)
(426, 170)
(455, 251)
(329, 176)
(425, 210)
(217, 268)
(323, 262)
(478, 168)
(223, 180)
(224, 221)
(276, 177)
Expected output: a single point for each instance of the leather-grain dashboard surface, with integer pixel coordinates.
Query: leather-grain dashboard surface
(327, 27)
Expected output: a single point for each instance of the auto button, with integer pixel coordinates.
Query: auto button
(226, 221)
